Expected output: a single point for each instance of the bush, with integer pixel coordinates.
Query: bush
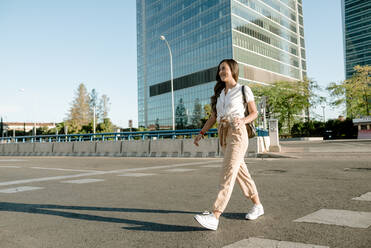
(338, 129)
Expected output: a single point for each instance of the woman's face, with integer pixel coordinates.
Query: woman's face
(225, 72)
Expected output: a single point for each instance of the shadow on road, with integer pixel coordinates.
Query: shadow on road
(138, 224)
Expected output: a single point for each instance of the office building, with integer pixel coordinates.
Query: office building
(357, 34)
(266, 37)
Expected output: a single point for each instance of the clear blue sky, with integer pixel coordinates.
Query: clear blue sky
(47, 48)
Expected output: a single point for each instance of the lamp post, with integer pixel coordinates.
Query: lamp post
(323, 110)
(171, 79)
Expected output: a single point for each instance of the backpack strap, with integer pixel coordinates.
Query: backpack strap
(244, 101)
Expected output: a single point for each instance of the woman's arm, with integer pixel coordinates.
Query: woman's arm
(209, 123)
(253, 112)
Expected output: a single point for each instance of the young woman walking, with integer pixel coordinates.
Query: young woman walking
(228, 109)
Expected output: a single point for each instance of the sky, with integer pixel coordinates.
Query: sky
(47, 48)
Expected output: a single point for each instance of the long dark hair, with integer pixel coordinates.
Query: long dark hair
(220, 85)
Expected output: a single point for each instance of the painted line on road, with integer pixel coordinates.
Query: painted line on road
(9, 166)
(136, 174)
(338, 217)
(269, 243)
(180, 170)
(19, 189)
(364, 197)
(212, 166)
(60, 169)
(12, 160)
(81, 181)
(89, 174)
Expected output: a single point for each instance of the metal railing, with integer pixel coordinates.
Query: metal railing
(159, 134)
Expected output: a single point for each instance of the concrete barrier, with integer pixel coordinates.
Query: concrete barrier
(84, 148)
(207, 148)
(109, 148)
(43, 149)
(135, 148)
(62, 148)
(10, 149)
(26, 149)
(166, 148)
(2, 149)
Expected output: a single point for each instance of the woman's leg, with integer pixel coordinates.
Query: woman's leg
(234, 153)
(247, 184)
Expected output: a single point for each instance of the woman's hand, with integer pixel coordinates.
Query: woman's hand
(239, 121)
(197, 139)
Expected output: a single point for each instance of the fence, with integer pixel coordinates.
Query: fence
(152, 135)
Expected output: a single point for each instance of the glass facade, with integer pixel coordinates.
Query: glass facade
(266, 37)
(357, 34)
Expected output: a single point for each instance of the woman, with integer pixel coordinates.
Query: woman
(228, 109)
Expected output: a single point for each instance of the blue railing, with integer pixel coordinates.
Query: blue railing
(160, 134)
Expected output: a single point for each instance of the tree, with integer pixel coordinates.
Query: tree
(79, 114)
(354, 92)
(286, 100)
(106, 126)
(207, 111)
(181, 118)
(103, 107)
(197, 114)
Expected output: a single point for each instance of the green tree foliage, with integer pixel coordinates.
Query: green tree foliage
(181, 117)
(106, 126)
(287, 101)
(354, 92)
(207, 111)
(197, 114)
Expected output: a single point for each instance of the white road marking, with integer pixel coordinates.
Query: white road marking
(180, 170)
(81, 181)
(9, 166)
(59, 169)
(12, 160)
(136, 174)
(88, 174)
(19, 189)
(268, 243)
(212, 166)
(364, 197)
(338, 217)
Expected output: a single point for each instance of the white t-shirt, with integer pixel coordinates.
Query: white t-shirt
(231, 105)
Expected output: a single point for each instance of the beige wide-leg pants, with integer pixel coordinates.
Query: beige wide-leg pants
(234, 143)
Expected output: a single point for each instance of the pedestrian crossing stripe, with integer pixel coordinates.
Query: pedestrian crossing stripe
(268, 243)
(338, 217)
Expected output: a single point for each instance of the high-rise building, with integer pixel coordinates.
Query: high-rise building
(356, 33)
(266, 37)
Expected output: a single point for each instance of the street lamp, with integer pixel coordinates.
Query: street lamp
(323, 110)
(171, 76)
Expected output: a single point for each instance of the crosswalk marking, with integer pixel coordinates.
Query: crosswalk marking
(338, 217)
(364, 197)
(136, 174)
(268, 243)
(19, 189)
(81, 181)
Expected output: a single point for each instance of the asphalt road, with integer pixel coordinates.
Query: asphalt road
(150, 202)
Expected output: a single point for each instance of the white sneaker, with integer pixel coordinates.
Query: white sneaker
(208, 221)
(255, 212)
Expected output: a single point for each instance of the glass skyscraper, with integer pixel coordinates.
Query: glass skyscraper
(266, 37)
(357, 34)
